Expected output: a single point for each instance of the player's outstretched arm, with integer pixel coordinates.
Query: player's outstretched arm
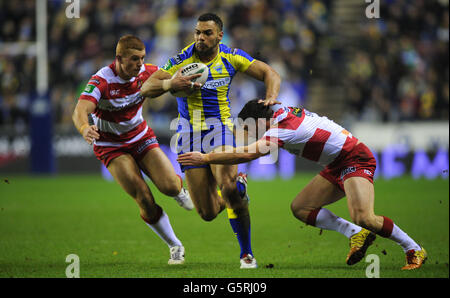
(81, 121)
(160, 82)
(239, 155)
(272, 80)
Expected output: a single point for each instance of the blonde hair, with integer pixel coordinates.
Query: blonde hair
(128, 42)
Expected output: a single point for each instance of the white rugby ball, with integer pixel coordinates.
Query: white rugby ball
(190, 69)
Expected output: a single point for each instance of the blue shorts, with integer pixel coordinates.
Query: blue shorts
(204, 141)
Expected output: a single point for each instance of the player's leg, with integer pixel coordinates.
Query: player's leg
(203, 190)
(159, 169)
(360, 198)
(237, 209)
(307, 207)
(127, 173)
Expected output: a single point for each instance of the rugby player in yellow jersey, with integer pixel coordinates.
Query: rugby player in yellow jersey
(205, 123)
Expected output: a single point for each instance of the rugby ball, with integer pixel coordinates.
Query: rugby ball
(190, 69)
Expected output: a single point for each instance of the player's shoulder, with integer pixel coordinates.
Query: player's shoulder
(182, 58)
(281, 114)
(150, 68)
(236, 52)
(285, 115)
(186, 53)
(106, 73)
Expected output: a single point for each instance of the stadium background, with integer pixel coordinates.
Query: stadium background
(385, 79)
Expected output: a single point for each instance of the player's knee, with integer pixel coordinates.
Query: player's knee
(299, 211)
(170, 188)
(229, 189)
(207, 215)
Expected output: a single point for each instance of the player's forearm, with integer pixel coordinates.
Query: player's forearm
(80, 119)
(230, 158)
(272, 81)
(155, 87)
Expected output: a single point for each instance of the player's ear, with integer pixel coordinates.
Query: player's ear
(119, 58)
(220, 35)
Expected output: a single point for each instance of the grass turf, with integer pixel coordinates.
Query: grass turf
(44, 219)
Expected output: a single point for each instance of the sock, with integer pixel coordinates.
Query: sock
(325, 219)
(164, 230)
(393, 232)
(181, 193)
(241, 228)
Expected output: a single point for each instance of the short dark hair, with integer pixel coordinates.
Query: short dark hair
(209, 16)
(255, 110)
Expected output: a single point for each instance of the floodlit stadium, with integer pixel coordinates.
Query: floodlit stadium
(379, 69)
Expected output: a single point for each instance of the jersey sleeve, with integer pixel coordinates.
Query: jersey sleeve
(174, 63)
(240, 60)
(94, 89)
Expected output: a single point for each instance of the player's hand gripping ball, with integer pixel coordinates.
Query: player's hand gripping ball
(191, 69)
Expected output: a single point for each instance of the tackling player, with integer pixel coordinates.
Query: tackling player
(205, 123)
(349, 169)
(124, 142)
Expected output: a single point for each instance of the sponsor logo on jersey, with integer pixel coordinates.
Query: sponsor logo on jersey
(168, 65)
(89, 88)
(217, 83)
(145, 144)
(368, 172)
(94, 81)
(297, 111)
(114, 92)
(348, 171)
(178, 59)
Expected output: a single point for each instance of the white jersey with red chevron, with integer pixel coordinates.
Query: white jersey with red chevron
(118, 114)
(309, 135)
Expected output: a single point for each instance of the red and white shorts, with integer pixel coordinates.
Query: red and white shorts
(359, 162)
(137, 149)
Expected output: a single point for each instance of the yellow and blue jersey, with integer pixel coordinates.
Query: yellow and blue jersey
(212, 100)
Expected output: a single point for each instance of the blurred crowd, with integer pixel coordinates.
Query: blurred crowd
(400, 71)
(78, 47)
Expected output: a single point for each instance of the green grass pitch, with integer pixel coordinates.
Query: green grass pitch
(44, 219)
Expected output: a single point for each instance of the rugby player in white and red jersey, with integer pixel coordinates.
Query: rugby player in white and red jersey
(124, 142)
(348, 171)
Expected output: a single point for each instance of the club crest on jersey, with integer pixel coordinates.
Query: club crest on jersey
(114, 92)
(218, 68)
